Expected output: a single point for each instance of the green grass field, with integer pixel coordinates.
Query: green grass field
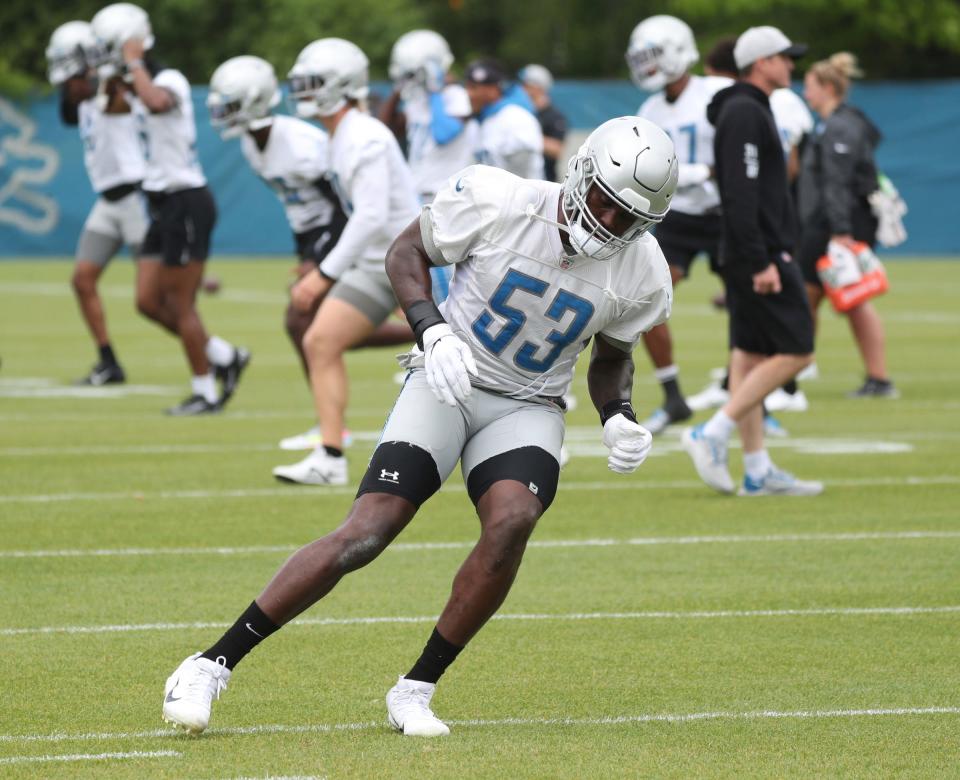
(656, 628)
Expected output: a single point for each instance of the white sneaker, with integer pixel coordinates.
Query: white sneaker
(782, 401)
(310, 440)
(711, 397)
(777, 482)
(318, 468)
(191, 689)
(709, 457)
(408, 709)
(810, 372)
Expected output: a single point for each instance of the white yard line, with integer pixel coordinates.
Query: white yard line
(626, 484)
(609, 720)
(90, 757)
(642, 541)
(122, 628)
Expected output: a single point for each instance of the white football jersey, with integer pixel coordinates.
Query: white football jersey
(792, 116)
(375, 188)
(172, 162)
(685, 121)
(297, 154)
(525, 307)
(510, 138)
(113, 145)
(432, 163)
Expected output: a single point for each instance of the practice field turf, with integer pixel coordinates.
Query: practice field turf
(656, 628)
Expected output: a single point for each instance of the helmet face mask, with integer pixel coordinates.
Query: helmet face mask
(661, 49)
(631, 162)
(327, 74)
(69, 52)
(243, 94)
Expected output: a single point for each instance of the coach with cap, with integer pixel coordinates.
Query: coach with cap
(510, 136)
(771, 329)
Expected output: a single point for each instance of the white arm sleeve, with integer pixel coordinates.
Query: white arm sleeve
(371, 209)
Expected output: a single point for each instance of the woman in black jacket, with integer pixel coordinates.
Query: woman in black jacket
(837, 173)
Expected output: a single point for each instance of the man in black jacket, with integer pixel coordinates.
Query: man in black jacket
(771, 330)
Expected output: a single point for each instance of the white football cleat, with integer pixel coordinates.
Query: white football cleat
(310, 440)
(571, 401)
(777, 482)
(191, 689)
(408, 709)
(711, 397)
(564, 456)
(709, 457)
(809, 373)
(782, 401)
(318, 468)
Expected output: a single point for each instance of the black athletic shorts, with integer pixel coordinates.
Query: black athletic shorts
(778, 324)
(181, 224)
(683, 236)
(314, 244)
(814, 238)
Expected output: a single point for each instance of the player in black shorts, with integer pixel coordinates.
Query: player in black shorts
(771, 329)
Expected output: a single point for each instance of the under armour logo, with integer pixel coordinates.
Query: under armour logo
(533, 488)
(390, 476)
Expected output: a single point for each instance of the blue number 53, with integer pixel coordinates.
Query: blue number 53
(525, 356)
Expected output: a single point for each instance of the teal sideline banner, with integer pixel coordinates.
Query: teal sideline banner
(45, 194)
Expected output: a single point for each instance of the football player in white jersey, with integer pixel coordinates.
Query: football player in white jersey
(329, 82)
(509, 136)
(542, 268)
(660, 53)
(182, 210)
(114, 158)
(292, 156)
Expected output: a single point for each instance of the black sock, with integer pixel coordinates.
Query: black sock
(334, 452)
(434, 660)
(251, 628)
(106, 355)
(671, 391)
(790, 387)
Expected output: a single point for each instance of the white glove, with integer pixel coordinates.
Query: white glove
(628, 442)
(448, 363)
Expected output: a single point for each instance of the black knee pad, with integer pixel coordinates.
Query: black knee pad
(534, 467)
(401, 469)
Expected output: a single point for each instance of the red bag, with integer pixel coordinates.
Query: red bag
(851, 275)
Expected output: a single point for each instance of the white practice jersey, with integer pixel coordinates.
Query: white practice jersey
(792, 116)
(296, 156)
(510, 138)
(172, 162)
(113, 145)
(432, 163)
(685, 121)
(526, 309)
(375, 188)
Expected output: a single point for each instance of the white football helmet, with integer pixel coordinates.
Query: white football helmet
(660, 51)
(412, 55)
(633, 162)
(326, 74)
(68, 51)
(115, 25)
(243, 92)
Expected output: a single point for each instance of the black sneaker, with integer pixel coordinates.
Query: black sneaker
(230, 374)
(875, 388)
(103, 374)
(194, 405)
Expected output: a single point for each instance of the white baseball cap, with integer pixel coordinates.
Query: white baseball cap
(537, 75)
(759, 42)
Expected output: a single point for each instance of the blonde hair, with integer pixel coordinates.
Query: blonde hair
(837, 71)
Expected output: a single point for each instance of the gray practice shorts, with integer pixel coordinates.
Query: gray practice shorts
(110, 225)
(487, 425)
(367, 290)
